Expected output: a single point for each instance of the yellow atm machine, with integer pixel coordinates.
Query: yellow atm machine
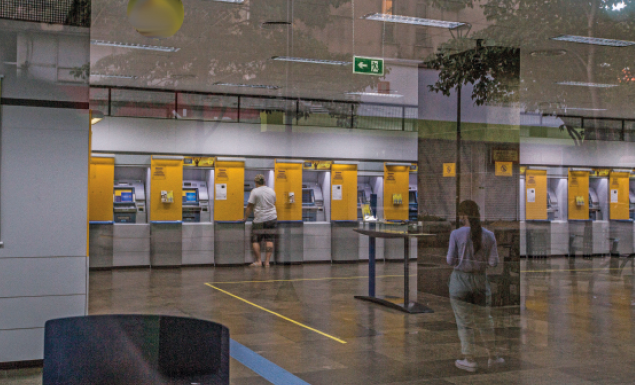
(344, 241)
(396, 191)
(621, 224)
(288, 188)
(229, 229)
(580, 208)
(538, 227)
(396, 205)
(166, 226)
(100, 210)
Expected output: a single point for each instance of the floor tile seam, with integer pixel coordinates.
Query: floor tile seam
(311, 279)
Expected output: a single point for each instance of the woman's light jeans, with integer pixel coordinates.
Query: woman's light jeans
(471, 300)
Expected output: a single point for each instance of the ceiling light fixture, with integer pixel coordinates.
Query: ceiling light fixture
(413, 20)
(134, 46)
(594, 41)
(583, 84)
(231, 1)
(584, 109)
(549, 52)
(114, 76)
(247, 85)
(274, 24)
(375, 94)
(313, 61)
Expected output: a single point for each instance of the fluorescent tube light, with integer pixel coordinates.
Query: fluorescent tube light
(114, 76)
(375, 94)
(295, 161)
(594, 41)
(413, 20)
(168, 157)
(584, 84)
(314, 61)
(231, 1)
(134, 46)
(263, 86)
(97, 155)
(583, 109)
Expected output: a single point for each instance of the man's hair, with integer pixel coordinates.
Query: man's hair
(260, 179)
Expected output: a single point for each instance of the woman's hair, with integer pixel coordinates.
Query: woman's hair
(471, 210)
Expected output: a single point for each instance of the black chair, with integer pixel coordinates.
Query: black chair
(135, 349)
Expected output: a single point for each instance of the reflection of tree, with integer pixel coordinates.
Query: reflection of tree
(494, 71)
(531, 24)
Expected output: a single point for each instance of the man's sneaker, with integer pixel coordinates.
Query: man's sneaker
(466, 365)
(493, 362)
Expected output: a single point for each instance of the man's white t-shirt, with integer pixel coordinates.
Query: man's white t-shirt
(264, 200)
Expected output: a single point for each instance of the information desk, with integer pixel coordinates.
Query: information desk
(404, 304)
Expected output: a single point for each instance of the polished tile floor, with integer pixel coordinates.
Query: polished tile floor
(574, 326)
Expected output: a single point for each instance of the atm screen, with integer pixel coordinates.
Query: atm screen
(124, 196)
(307, 196)
(190, 196)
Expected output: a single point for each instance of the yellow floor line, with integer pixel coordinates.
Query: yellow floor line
(315, 279)
(278, 315)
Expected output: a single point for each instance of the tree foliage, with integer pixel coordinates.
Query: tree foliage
(494, 71)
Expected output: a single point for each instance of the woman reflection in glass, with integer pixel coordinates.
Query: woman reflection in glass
(472, 249)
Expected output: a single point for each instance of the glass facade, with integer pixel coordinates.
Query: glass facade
(386, 191)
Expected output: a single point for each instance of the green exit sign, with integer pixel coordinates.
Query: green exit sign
(368, 66)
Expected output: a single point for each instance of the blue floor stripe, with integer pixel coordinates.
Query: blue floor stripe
(265, 368)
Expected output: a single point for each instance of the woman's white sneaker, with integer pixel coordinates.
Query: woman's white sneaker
(466, 365)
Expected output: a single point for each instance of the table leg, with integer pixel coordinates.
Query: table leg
(406, 272)
(371, 266)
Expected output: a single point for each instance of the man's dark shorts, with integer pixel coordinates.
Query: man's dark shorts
(270, 235)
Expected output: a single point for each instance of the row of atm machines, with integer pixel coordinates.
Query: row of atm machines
(586, 214)
(135, 238)
(129, 202)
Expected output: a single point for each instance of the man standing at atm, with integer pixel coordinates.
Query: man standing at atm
(262, 202)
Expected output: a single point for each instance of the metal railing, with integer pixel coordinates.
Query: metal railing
(253, 109)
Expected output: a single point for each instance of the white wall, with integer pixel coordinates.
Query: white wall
(43, 264)
(564, 153)
(43, 203)
(170, 136)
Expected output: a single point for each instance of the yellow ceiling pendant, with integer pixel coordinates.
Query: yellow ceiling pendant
(156, 18)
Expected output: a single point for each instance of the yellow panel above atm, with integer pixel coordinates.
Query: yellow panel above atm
(619, 195)
(343, 192)
(288, 187)
(229, 189)
(578, 195)
(166, 189)
(100, 185)
(396, 183)
(536, 195)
